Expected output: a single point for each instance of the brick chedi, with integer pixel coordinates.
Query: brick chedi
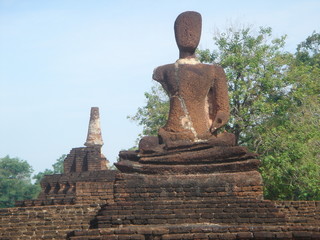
(88, 158)
(85, 178)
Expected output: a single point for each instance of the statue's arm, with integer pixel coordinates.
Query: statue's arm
(220, 111)
(158, 74)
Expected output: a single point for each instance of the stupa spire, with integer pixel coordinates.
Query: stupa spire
(94, 137)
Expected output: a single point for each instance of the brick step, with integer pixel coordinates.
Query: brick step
(186, 218)
(56, 200)
(199, 231)
(39, 233)
(46, 224)
(172, 212)
(193, 204)
(192, 195)
(41, 227)
(241, 201)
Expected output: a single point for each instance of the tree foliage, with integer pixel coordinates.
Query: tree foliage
(254, 64)
(290, 152)
(155, 113)
(15, 181)
(57, 168)
(58, 165)
(308, 52)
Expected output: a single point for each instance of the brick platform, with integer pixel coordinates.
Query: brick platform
(202, 206)
(89, 202)
(199, 231)
(159, 207)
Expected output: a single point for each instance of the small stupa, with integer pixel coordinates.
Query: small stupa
(94, 136)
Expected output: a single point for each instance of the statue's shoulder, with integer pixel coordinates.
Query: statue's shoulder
(164, 67)
(159, 72)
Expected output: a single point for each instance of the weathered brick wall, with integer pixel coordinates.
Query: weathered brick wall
(178, 218)
(95, 192)
(75, 188)
(46, 222)
(200, 206)
(233, 212)
(132, 187)
(180, 199)
(300, 212)
(199, 231)
(84, 159)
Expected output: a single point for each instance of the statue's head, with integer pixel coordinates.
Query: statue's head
(187, 29)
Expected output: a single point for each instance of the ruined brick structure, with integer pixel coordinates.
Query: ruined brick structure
(85, 178)
(190, 182)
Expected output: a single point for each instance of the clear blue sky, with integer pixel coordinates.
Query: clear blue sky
(59, 58)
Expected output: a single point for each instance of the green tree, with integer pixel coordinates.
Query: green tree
(255, 65)
(57, 168)
(15, 181)
(38, 177)
(155, 113)
(58, 165)
(308, 51)
(290, 152)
